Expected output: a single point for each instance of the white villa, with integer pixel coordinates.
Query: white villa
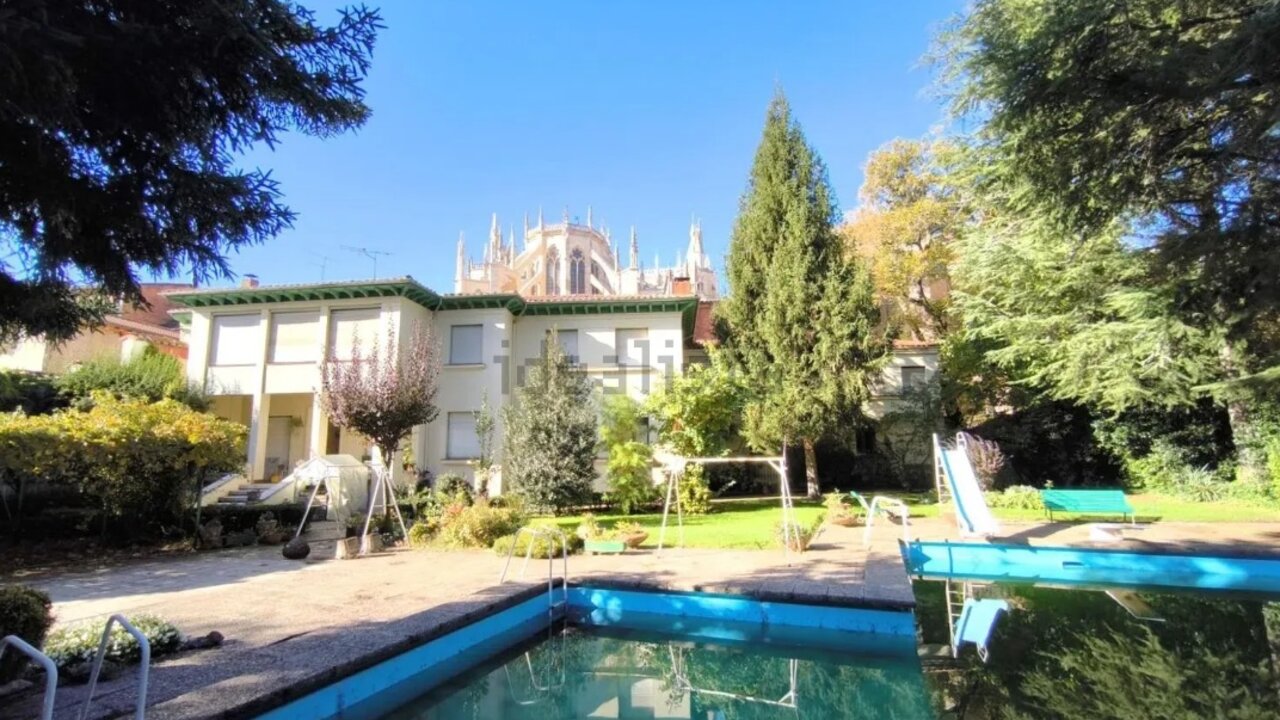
(258, 349)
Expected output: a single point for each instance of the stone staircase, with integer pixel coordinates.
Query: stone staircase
(246, 494)
(322, 530)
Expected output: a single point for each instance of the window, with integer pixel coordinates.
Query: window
(237, 340)
(293, 337)
(462, 442)
(553, 272)
(346, 327)
(632, 346)
(568, 343)
(577, 273)
(913, 376)
(466, 345)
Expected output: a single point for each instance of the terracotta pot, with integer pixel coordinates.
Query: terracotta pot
(633, 540)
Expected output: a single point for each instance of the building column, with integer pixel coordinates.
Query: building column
(261, 407)
(319, 421)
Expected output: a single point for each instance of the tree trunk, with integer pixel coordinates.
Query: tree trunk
(811, 470)
(1249, 457)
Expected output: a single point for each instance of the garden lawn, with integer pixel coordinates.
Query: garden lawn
(734, 524)
(1150, 507)
(749, 524)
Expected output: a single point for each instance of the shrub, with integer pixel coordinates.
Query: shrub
(1016, 497)
(694, 495)
(479, 525)
(141, 463)
(589, 528)
(987, 460)
(151, 376)
(32, 393)
(77, 644)
(454, 487)
(24, 612)
(630, 477)
(420, 534)
(542, 547)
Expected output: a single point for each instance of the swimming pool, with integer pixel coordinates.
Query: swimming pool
(626, 653)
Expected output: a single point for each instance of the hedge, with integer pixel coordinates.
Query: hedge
(24, 612)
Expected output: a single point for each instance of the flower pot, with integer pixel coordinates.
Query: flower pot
(635, 539)
(604, 547)
(845, 520)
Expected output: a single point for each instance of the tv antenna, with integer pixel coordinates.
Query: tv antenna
(322, 262)
(369, 253)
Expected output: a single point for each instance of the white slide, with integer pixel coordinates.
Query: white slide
(971, 507)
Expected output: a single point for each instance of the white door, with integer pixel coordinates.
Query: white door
(279, 433)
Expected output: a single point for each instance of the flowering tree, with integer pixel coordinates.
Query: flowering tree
(384, 394)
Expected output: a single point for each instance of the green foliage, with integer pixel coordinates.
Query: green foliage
(235, 518)
(694, 495)
(589, 528)
(454, 487)
(478, 525)
(1051, 442)
(71, 646)
(1073, 318)
(698, 412)
(24, 612)
(1183, 91)
(543, 547)
(550, 435)
(110, 174)
(1016, 497)
(32, 393)
(140, 462)
(630, 460)
(151, 375)
(420, 535)
(801, 317)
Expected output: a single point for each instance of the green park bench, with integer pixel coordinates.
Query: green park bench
(1089, 502)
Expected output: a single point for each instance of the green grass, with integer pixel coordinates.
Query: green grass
(735, 524)
(748, 524)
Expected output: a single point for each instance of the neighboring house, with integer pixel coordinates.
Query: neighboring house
(258, 350)
(122, 335)
(569, 258)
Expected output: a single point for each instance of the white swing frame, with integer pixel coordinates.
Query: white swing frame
(674, 466)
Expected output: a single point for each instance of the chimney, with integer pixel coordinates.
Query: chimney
(249, 280)
(681, 286)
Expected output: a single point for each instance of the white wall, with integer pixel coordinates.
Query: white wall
(26, 354)
(889, 390)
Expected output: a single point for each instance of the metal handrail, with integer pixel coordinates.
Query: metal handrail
(50, 671)
(144, 666)
(877, 503)
(552, 534)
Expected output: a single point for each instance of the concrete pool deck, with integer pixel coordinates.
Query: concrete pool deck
(290, 626)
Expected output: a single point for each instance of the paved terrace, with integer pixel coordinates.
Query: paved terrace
(292, 626)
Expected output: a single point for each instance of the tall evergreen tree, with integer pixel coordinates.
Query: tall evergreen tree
(119, 132)
(550, 434)
(800, 320)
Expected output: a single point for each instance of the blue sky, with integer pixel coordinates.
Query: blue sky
(649, 112)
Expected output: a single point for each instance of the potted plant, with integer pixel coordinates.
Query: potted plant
(840, 512)
(595, 539)
(632, 534)
(796, 537)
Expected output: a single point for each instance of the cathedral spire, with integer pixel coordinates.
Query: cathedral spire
(697, 257)
(511, 245)
(539, 219)
(462, 261)
(635, 249)
(588, 217)
(495, 240)
(565, 216)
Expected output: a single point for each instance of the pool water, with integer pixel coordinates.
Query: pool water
(636, 672)
(1075, 652)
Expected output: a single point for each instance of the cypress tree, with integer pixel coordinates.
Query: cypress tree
(550, 434)
(800, 319)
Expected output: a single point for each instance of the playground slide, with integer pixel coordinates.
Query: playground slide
(971, 507)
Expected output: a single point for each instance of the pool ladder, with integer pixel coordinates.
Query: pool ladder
(552, 535)
(51, 670)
